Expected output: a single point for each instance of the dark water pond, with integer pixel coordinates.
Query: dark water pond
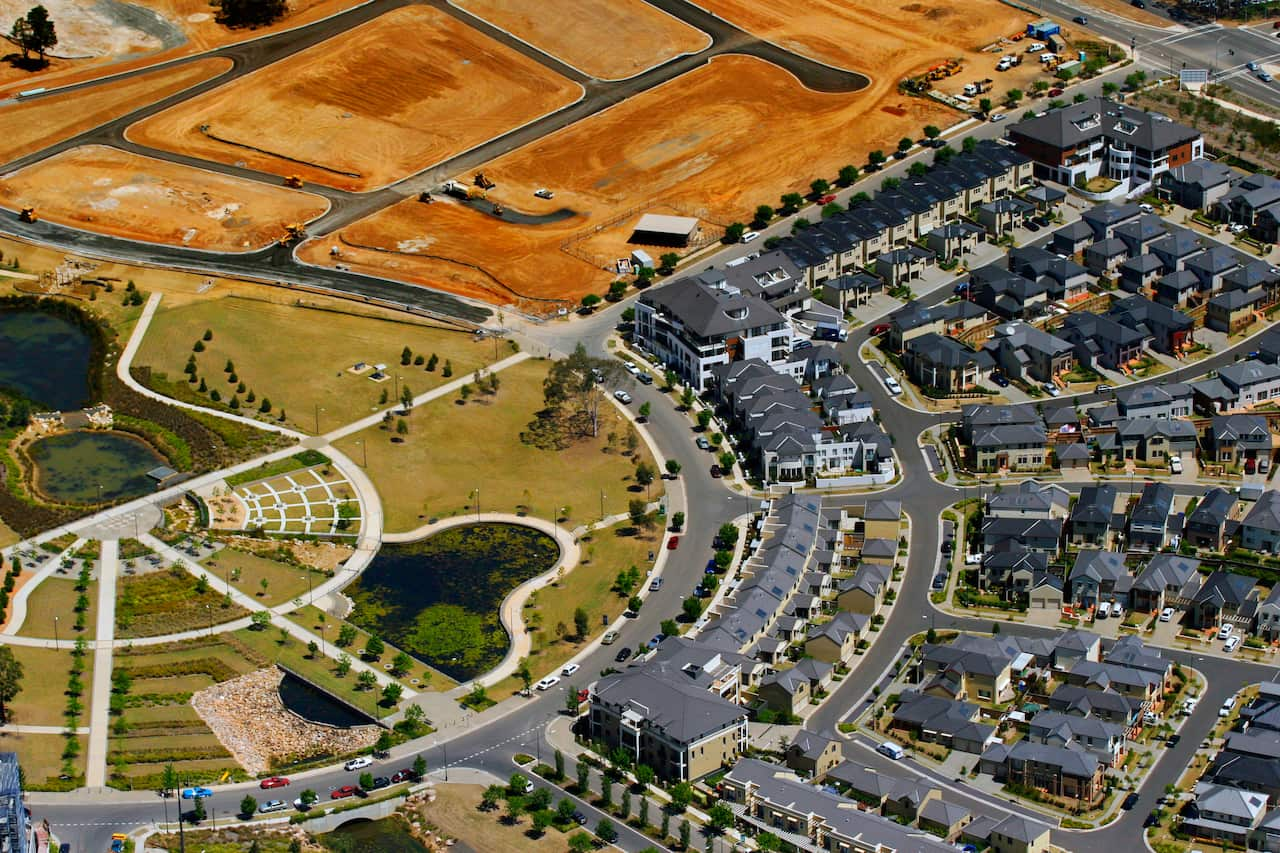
(372, 836)
(85, 466)
(316, 705)
(44, 358)
(438, 599)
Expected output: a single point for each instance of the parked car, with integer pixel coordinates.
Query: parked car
(609, 638)
(1103, 387)
(1173, 740)
(380, 782)
(343, 792)
(1055, 91)
(569, 669)
(996, 117)
(656, 583)
(273, 782)
(1228, 706)
(1224, 632)
(892, 386)
(702, 443)
(1031, 225)
(1130, 801)
(622, 397)
(1000, 380)
(940, 581)
(580, 819)
(358, 763)
(656, 640)
(1151, 819)
(673, 543)
(879, 329)
(1231, 644)
(1188, 706)
(891, 750)
(623, 654)
(1051, 389)
(401, 776)
(1265, 77)
(644, 378)
(548, 682)
(1175, 465)
(192, 793)
(749, 236)
(1166, 615)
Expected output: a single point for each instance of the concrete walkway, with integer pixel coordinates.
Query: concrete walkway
(100, 704)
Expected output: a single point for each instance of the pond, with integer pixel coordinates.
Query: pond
(44, 358)
(438, 599)
(86, 466)
(311, 703)
(373, 836)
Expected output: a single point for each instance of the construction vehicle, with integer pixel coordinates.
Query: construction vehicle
(117, 842)
(293, 181)
(978, 87)
(475, 192)
(499, 210)
(28, 214)
(455, 188)
(293, 232)
(425, 197)
(483, 182)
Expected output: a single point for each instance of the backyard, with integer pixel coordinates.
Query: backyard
(428, 475)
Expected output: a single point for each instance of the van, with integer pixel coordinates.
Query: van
(891, 750)
(1175, 464)
(1103, 611)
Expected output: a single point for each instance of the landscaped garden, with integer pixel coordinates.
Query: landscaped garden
(170, 601)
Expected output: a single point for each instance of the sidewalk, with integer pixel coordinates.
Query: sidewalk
(99, 712)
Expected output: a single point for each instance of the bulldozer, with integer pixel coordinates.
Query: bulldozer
(483, 182)
(293, 232)
(28, 214)
(293, 181)
(425, 197)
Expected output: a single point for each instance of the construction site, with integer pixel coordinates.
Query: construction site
(639, 35)
(392, 97)
(114, 192)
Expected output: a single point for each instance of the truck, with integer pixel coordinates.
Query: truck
(117, 842)
(978, 87)
(456, 188)
(829, 332)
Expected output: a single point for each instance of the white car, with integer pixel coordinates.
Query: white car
(1036, 47)
(973, 559)
(1166, 615)
(892, 385)
(750, 235)
(1175, 465)
(543, 192)
(1146, 208)
(622, 397)
(548, 682)
(631, 367)
(1224, 632)
(1231, 644)
(570, 669)
(358, 763)
(1188, 705)
(996, 117)
(1227, 707)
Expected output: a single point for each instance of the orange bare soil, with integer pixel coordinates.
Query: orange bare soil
(722, 147)
(32, 125)
(114, 192)
(387, 99)
(194, 17)
(884, 40)
(638, 35)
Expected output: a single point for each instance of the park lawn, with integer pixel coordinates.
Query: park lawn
(292, 654)
(44, 684)
(166, 602)
(322, 624)
(41, 755)
(159, 715)
(455, 812)
(589, 586)
(285, 582)
(267, 470)
(56, 596)
(298, 357)
(451, 450)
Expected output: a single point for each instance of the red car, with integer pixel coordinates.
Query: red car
(401, 776)
(673, 543)
(827, 199)
(1053, 93)
(274, 782)
(879, 329)
(344, 792)
(583, 695)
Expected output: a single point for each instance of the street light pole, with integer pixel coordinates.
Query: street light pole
(55, 633)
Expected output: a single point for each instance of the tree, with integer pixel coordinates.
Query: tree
(559, 762)
(490, 797)
(764, 213)
(406, 397)
(419, 766)
(681, 795)
(733, 232)
(573, 389)
(1013, 96)
(248, 806)
(626, 804)
(565, 809)
(260, 619)
(384, 741)
(791, 203)
(251, 13)
(197, 811)
(37, 32)
(308, 797)
(905, 143)
(984, 105)
(584, 778)
(606, 790)
(645, 474)
(643, 817)
(344, 665)
(767, 842)
(726, 461)
(876, 158)
(668, 261)
(638, 512)
(313, 649)
(673, 467)
(1109, 88)
(634, 603)
(686, 398)
(21, 36)
(401, 664)
(686, 834)
(525, 674)
(819, 186)
(580, 842)
(932, 131)
(669, 627)
(541, 820)
(645, 409)
(590, 301)
(580, 624)
(391, 693)
(969, 144)
(10, 680)
(918, 169)
(366, 680)
(720, 817)
(606, 831)
(374, 648)
(848, 174)
(432, 362)
(539, 800)
(692, 607)
(644, 775)
(406, 356)
(346, 635)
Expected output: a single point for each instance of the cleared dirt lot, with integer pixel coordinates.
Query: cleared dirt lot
(638, 35)
(389, 98)
(32, 125)
(129, 48)
(727, 142)
(115, 192)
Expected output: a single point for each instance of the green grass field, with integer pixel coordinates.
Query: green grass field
(280, 466)
(41, 755)
(428, 678)
(284, 582)
(298, 357)
(44, 682)
(588, 586)
(167, 602)
(56, 596)
(452, 450)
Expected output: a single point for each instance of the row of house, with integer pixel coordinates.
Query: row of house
(683, 709)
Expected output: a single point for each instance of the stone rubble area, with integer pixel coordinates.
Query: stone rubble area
(247, 716)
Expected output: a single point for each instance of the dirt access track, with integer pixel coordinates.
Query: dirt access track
(38, 123)
(386, 100)
(104, 41)
(637, 34)
(888, 40)
(114, 192)
(733, 134)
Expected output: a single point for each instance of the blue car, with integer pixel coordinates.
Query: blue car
(192, 793)
(711, 567)
(657, 640)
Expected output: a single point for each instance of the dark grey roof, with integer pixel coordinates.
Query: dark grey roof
(1072, 762)
(1201, 173)
(1075, 124)
(1098, 565)
(1095, 504)
(1021, 828)
(707, 312)
(1265, 513)
(1225, 589)
(1167, 571)
(684, 711)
